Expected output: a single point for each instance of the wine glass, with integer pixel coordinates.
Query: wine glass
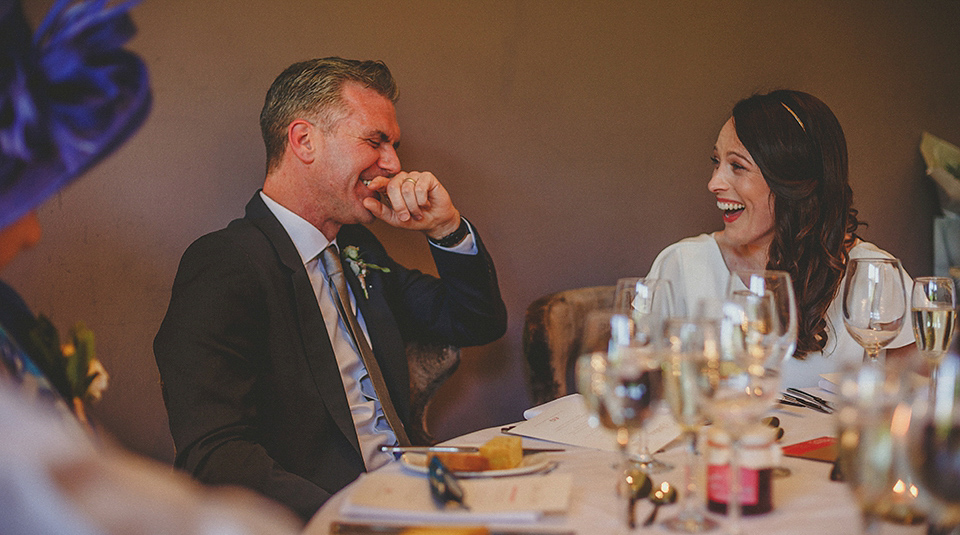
(872, 422)
(602, 328)
(779, 285)
(740, 384)
(649, 302)
(634, 388)
(934, 440)
(934, 307)
(690, 345)
(874, 303)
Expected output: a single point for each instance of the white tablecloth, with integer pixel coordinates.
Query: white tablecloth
(805, 503)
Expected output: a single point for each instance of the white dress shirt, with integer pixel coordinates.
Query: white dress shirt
(368, 418)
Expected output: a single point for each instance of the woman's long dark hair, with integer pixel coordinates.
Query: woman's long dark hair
(799, 146)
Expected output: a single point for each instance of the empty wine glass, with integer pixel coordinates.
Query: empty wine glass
(690, 346)
(934, 307)
(779, 285)
(649, 302)
(874, 303)
(739, 386)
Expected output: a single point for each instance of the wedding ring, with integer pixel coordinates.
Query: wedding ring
(410, 179)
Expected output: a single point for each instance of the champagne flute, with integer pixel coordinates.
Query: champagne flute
(934, 307)
(874, 303)
(741, 384)
(691, 344)
(649, 302)
(779, 285)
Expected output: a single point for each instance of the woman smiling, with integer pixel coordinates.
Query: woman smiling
(780, 179)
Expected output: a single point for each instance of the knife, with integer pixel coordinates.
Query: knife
(455, 449)
(805, 403)
(811, 397)
(348, 528)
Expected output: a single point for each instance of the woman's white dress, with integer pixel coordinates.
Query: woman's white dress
(696, 270)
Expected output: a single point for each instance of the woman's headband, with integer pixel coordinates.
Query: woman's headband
(804, 128)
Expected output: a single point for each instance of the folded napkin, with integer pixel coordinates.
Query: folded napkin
(404, 497)
(830, 382)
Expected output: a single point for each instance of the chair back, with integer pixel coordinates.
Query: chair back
(430, 365)
(551, 337)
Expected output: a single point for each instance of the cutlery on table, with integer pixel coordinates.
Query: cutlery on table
(358, 528)
(662, 495)
(816, 399)
(444, 486)
(791, 403)
(455, 449)
(804, 403)
(638, 486)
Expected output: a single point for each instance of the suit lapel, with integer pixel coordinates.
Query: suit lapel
(316, 344)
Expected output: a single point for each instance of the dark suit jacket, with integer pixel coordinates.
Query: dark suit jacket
(251, 384)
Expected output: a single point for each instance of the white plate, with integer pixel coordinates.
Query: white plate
(417, 462)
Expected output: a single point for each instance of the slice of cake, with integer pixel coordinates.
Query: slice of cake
(503, 452)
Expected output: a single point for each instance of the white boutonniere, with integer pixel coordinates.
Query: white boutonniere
(351, 254)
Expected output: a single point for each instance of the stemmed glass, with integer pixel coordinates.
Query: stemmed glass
(649, 302)
(872, 422)
(634, 388)
(691, 344)
(742, 383)
(934, 307)
(779, 286)
(874, 303)
(602, 329)
(934, 439)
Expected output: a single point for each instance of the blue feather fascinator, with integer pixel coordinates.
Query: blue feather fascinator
(69, 95)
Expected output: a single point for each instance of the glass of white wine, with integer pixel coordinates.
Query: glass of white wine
(690, 346)
(874, 303)
(779, 286)
(742, 383)
(634, 389)
(602, 329)
(934, 307)
(649, 302)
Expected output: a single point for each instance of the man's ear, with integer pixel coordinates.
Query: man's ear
(303, 139)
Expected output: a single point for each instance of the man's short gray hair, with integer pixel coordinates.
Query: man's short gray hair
(313, 90)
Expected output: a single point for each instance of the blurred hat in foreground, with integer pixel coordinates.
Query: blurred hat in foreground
(69, 96)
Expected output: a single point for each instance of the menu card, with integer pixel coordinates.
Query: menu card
(564, 420)
(405, 497)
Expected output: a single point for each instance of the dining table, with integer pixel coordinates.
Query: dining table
(806, 501)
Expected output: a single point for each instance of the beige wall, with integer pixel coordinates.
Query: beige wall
(576, 135)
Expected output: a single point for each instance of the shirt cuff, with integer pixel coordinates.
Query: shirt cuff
(467, 246)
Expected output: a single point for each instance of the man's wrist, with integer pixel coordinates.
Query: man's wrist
(453, 238)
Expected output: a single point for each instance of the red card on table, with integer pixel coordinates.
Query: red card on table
(817, 449)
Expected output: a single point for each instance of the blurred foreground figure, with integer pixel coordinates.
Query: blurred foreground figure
(68, 97)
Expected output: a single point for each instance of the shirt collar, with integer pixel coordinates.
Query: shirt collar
(307, 238)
